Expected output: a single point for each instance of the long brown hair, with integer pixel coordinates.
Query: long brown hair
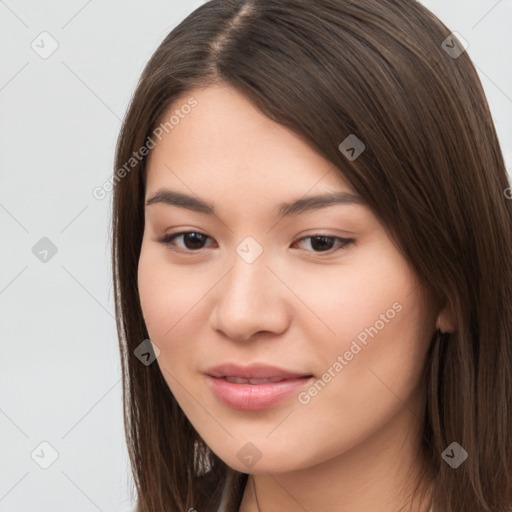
(432, 171)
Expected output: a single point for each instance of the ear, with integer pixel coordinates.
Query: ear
(445, 320)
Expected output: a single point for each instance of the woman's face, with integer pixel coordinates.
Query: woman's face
(321, 293)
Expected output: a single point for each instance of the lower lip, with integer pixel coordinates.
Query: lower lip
(255, 397)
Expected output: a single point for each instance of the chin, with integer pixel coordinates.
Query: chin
(250, 459)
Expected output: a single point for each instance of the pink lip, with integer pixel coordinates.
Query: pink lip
(254, 397)
(253, 371)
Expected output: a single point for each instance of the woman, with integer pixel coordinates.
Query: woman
(310, 224)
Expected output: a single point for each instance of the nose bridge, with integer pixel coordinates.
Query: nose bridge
(249, 299)
(248, 282)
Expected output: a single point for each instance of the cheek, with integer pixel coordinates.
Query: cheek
(381, 359)
(166, 300)
(154, 294)
(382, 335)
(368, 299)
(172, 302)
(380, 331)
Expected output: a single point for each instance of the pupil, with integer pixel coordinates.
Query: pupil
(324, 241)
(196, 240)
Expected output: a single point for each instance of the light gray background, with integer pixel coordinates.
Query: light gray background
(60, 116)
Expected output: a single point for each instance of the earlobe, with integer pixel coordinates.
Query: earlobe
(445, 321)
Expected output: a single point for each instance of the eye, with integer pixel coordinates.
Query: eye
(325, 243)
(193, 241)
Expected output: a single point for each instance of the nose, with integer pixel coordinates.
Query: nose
(251, 300)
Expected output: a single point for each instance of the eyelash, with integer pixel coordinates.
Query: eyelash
(168, 239)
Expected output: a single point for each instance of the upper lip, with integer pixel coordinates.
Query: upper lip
(253, 371)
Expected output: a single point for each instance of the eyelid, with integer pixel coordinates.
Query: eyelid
(343, 242)
(166, 240)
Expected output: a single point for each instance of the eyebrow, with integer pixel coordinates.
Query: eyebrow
(303, 205)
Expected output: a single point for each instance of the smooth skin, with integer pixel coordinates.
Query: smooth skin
(299, 305)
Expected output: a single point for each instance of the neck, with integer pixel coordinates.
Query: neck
(380, 474)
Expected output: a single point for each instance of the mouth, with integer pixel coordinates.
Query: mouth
(241, 380)
(254, 388)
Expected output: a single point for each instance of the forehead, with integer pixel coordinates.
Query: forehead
(225, 144)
